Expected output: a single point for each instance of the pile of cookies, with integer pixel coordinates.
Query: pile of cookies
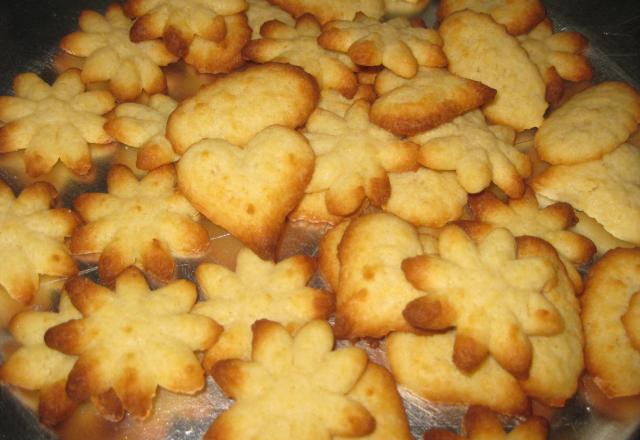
(462, 190)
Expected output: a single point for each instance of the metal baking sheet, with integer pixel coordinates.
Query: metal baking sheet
(29, 32)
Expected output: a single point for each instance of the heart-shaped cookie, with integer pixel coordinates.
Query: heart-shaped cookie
(249, 191)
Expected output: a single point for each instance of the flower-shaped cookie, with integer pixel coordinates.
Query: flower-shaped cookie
(293, 387)
(25, 368)
(32, 239)
(143, 126)
(54, 122)
(558, 56)
(132, 340)
(494, 300)
(110, 56)
(299, 46)
(257, 289)
(394, 44)
(144, 223)
(327, 10)
(353, 157)
(479, 154)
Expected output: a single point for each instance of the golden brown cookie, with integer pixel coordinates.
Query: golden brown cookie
(156, 336)
(249, 191)
(261, 11)
(329, 10)
(129, 67)
(145, 223)
(54, 122)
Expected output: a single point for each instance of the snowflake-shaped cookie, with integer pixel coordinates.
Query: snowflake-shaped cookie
(110, 56)
(143, 126)
(299, 46)
(394, 44)
(32, 239)
(478, 153)
(353, 157)
(54, 122)
(494, 300)
(258, 289)
(293, 387)
(131, 340)
(144, 223)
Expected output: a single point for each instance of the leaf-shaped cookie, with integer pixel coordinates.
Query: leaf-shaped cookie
(130, 68)
(54, 122)
(257, 289)
(299, 46)
(145, 223)
(32, 237)
(293, 387)
(394, 44)
(131, 340)
(495, 300)
(327, 10)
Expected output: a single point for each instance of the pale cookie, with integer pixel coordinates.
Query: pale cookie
(559, 56)
(372, 289)
(329, 10)
(609, 312)
(129, 68)
(478, 153)
(261, 11)
(353, 157)
(337, 103)
(495, 300)
(272, 93)
(589, 125)
(608, 190)
(409, 8)
(207, 34)
(145, 223)
(298, 45)
(32, 235)
(293, 387)
(24, 368)
(54, 122)
(143, 126)
(480, 423)
(423, 364)
(434, 96)
(249, 191)
(518, 16)
(594, 231)
(426, 197)
(480, 49)
(257, 289)
(328, 262)
(395, 44)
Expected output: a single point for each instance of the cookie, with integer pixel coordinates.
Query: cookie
(609, 313)
(518, 16)
(54, 122)
(145, 223)
(326, 11)
(353, 157)
(257, 289)
(293, 387)
(480, 49)
(594, 231)
(433, 97)
(590, 124)
(395, 44)
(32, 234)
(249, 191)
(143, 126)
(479, 154)
(328, 262)
(261, 11)
(559, 56)
(409, 8)
(24, 367)
(298, 45)
(129, 315)
(273, 93)
(313, 209)
(129, 68)
(335, 102)
(208, 35)
(607, 189)
(509, 302)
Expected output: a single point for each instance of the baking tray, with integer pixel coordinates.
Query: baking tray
(29, 33)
